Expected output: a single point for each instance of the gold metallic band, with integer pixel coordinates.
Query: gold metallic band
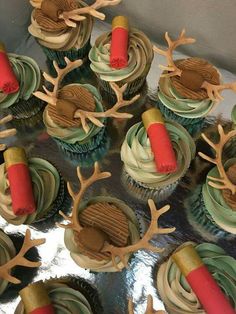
(15, 155)
(151, 116)
(187, 259)
(2, 47)
(120, 21)
(34, 296)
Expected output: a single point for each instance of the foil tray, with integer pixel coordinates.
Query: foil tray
(139, 279)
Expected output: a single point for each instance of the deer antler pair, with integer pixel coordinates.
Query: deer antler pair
(213, 91)
(120, 252)
(20, 260)
(52, 97)
(78, 14)
(6, 133)
(223, 181)
(149, 309)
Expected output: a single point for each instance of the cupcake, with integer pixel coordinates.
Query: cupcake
(149, 309)
(31, 189)
(212, 205)
(11, 259)
(175, 291)
(7, 132)
(64, 295)
(140, 172)
(103, 232)
(75, 117)
(63, 27)
(22, 104)
(189, 89)
(139, 59)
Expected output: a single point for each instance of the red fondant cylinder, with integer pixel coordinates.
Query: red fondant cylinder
(8, 80)
(36, 300)
(48, 309)
(208, 292)
(161, 145)
(20, 181)
(201, 281)
(119, 43)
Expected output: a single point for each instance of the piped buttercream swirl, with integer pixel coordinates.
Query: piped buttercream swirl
(138, 157)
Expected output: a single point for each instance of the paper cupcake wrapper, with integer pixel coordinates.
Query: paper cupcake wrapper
(199, 213)
(193, 126)
(72, 54)
(131, 90)
(143, 193)
(61, 202)
(25, 109)
(86, 154)
(26, 125)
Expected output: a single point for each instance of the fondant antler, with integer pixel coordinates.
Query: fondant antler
(51, 97)
(78, 14)
(112, 112)
(19, 259)
(84, 184)
(172, 45)
(6, 133)
(223, 181)
(213, 91)
(149, 309)
(144, 242)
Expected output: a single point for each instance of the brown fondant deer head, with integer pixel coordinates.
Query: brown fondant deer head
(191, 79)
(103, 244)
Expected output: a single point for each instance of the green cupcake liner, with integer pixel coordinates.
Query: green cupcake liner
(131, 90)
(193, 126)
(26, 126)
(142, 192)
(72, 54)
(86, 154)
(25, 109)
(61, 202)
(196, 206)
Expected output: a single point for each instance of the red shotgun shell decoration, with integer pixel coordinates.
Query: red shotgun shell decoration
(8, 80)
(36, 300)
(161, 145)
(201, 281)
(20, 181)
(119, 42)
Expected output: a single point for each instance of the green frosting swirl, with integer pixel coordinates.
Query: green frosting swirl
(233, 116)
(215, 204)
(7, 252)
(140, 55)
(46, 183)
(176, 292)
(104, 265)
(65, 300)
(138, 157)
(29, 77)
(72, 135)
(187, 108)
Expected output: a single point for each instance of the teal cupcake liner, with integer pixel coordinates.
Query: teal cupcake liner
(193, 126)
(25, 109)
(86, 154)
(131, 90)
(195, 205)
(28, 125)
(72, 54)
(62, 202)
(142, 192)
